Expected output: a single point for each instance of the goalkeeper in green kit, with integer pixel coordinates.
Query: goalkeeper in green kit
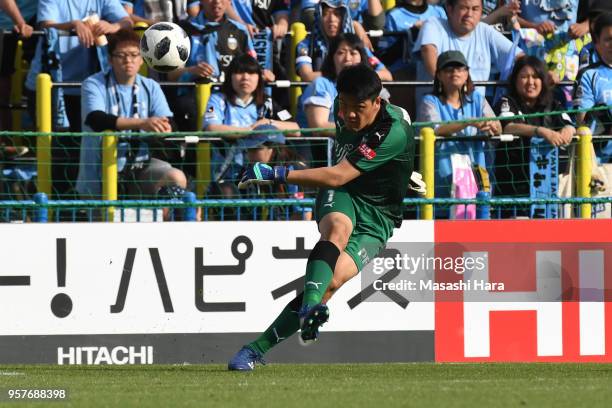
(358, 204)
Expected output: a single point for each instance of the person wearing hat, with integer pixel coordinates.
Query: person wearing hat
(270, 148)
(454, 99)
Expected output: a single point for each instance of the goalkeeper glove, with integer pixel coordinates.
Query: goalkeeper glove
(261, 174)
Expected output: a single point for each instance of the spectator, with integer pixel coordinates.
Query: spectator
(588, 55)
(257, 16)
(270, 148)
(123, 100)
(154, 11)
(500, 11)
(454, 99)
(240, 106)
(215, 41)
(594, 85)
(315, 106)
(268, 23)
(368, 13)
(18, 17)
(332, 18)
(550, 16)
(515, 162)
(77, 60)
(482, 45)
(408, 16)
(396, 52)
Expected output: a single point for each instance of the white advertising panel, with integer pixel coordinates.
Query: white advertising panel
(208, 277)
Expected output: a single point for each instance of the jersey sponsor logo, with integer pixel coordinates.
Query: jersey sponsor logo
(366, 151)
(225, 60)
(262, 4)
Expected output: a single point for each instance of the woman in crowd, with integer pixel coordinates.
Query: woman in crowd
(315, 106)
(240, 106)
(454, 99)
(529, 92)
(270, 148)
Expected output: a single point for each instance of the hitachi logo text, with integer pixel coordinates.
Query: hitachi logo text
(103, 355)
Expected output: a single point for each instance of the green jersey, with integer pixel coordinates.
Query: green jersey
(384, 154)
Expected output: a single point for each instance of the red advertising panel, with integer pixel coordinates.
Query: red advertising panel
(535, 291)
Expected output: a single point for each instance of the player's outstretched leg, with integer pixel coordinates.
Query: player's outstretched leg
(319, 273)
(282, 328)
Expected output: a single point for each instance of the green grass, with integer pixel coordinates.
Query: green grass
(338, 385)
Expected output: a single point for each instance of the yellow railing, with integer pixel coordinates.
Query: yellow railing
(144, 69)
(109, 171)
(584, 166)
(43, 124)
(427, 152)
(203, 149)
(298, 31)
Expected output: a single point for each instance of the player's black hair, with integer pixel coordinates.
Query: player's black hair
(602, 22)
(359, 81)
(126, 35)
(240, 64)
(328, 69)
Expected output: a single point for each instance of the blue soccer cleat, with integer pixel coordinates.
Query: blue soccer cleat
(245, 360)
(311, 318)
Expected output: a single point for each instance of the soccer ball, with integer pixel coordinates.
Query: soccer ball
(165, 47)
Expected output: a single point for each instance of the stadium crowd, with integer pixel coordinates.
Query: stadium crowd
(245, 44)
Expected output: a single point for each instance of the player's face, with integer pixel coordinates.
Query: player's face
(245, 83)
(332, 21)
(604, 45)
(214, 9)
(464, 16)
(529, 84)
(126, 60)
(355, 113)
(453, 77)
(346, 56)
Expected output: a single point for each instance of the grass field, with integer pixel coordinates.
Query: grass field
(338, 385)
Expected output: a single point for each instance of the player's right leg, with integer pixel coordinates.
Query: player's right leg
(335, 216)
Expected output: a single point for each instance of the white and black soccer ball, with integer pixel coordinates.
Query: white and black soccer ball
(165, 47)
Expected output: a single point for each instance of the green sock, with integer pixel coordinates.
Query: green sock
(318, 276)
(319, 271)
(282, 328)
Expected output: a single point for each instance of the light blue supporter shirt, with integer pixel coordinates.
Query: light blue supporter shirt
(594, 88)
(221, 112)
(320, 92)
(483, 48)
(402, 19)
(434, 110)
(96, 96)
(77, 61)
(562, 13)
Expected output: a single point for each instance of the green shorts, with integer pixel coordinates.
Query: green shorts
(371, 229)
